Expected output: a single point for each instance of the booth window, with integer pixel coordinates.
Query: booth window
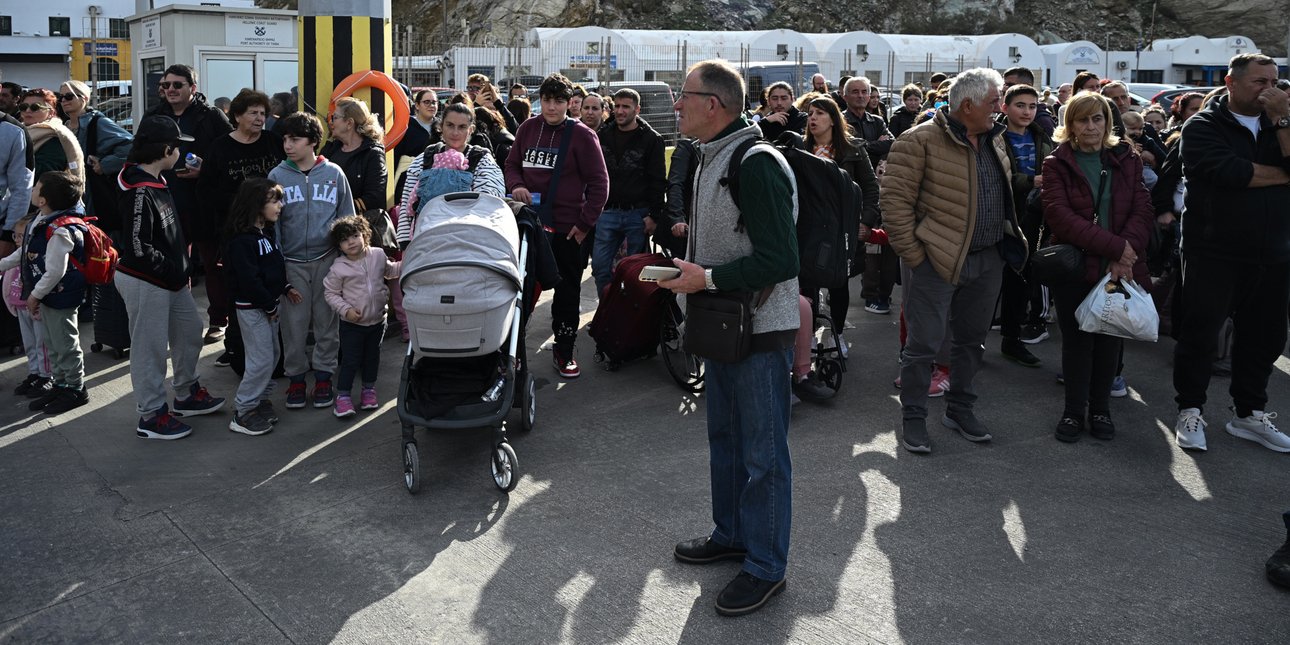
(117, 28)
(60, 26)
(6, 25)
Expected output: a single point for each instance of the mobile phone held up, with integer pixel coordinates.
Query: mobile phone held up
(654, 274)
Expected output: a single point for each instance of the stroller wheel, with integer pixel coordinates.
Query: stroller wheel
(685, 368)
(411, 467)
(528, 403)
(504, 466)
(830, 372)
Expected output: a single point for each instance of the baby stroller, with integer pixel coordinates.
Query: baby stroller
(464, 293)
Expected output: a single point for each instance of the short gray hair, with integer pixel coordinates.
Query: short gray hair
(856, 79)
(718, 77)
(1119, 84)
(973, 85)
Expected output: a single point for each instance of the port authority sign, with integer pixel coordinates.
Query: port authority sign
(259, 31)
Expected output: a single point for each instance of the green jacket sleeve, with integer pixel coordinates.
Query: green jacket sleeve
(766, 201)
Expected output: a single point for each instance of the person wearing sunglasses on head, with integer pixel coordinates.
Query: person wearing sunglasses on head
(39, 116)
(196, 118)
(104, 155)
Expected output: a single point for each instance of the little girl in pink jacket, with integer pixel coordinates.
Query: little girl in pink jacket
(355, 288)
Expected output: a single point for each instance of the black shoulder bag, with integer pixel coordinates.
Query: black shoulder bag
(1063, 264)
(104, 192)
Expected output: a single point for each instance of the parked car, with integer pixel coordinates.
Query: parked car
(1166, 98)
(1152, 89)
(656, 104)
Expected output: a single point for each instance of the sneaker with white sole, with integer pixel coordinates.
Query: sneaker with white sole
(1258, 428)
(1119, 388)
(251, 423)
(162, 425)
(1189, 430)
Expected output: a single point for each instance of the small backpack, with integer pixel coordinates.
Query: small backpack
(100, 256)
(828, 212)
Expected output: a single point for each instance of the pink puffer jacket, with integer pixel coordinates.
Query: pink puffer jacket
(360, 284)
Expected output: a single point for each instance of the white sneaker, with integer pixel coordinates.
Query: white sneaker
(1258, 428)
(1189, 430)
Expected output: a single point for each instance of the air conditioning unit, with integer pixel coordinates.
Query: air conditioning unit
(1123, 64)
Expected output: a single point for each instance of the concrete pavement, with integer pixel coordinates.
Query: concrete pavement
(307, 535)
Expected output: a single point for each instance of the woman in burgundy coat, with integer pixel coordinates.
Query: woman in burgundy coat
(1113, 230)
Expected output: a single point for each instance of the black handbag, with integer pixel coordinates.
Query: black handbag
(382, 229)
(1063, 264)
(719, 325)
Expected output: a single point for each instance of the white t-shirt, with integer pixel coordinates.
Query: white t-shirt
(1251, 123)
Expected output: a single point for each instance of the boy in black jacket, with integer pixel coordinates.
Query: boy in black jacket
(257, 276)
(152, 276)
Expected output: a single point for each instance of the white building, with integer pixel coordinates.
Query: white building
(854, 53)
(44, 43)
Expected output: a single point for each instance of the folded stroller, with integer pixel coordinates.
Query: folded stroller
(464, 293)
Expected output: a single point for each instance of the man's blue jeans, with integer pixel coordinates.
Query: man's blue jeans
(612, 228)
(752, 474)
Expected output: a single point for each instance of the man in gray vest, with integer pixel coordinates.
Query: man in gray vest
(747, 401)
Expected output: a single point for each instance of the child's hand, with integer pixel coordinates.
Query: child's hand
(294, 296)
(352, 315)
(33, 306)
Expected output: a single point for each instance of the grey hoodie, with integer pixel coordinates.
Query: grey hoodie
(311, 201)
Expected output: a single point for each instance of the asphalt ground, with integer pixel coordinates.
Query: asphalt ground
(307, 534)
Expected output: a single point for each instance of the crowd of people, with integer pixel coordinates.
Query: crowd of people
(961, 185)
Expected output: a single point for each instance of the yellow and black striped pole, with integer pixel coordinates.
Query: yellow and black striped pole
(338, 38)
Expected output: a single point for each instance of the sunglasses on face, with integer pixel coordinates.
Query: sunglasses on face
(472, 88)
(70, 96)
(178, 85)
(33, 107)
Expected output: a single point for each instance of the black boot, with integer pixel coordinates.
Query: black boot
(1279, 564)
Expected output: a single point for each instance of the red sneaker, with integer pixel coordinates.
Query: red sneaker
(940, 381)
(567, 367)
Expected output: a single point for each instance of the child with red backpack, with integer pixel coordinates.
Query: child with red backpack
(51, 262)
(152, 278)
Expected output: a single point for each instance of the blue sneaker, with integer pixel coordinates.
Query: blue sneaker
(1119, 389)
(199, 402)
(162, 426)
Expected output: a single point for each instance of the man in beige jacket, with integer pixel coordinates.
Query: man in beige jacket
(947, 209)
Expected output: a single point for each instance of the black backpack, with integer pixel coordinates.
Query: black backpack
(828, 212)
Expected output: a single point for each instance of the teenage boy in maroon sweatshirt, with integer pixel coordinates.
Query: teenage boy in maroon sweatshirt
(581, 195)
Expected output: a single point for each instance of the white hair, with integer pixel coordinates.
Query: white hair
(974, 85)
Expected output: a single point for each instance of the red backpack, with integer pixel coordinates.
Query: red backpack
(100, 256)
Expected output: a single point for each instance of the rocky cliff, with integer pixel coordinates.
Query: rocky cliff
(1120, 22)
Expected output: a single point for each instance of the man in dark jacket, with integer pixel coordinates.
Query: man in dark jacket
(671, 233)
(637, 182)
(204, 124)
(864, 124)
(1236, 250)
(783, 116)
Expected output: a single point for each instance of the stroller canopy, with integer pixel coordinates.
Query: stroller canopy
(465, 229)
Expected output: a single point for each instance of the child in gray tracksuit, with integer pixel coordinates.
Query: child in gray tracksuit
(315, 193)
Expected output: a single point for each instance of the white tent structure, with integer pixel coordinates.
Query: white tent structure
(853, 53)
(1001, 51)
(584, 52)
(1062, 61)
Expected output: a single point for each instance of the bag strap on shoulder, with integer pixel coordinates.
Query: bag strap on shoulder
(546, 209)
(92, 135)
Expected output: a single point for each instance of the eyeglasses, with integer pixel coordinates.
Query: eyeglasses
(166, 85)
(472, 88)
(70, 96)
(33, 107)
(685, 93)
(427, 102)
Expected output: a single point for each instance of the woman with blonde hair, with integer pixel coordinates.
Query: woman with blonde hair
(105, 153)
(1093, 199)
(357, 146)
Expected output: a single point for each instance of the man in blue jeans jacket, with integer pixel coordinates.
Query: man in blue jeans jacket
(747, 400)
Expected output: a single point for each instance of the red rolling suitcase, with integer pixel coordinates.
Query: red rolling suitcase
(626, 324)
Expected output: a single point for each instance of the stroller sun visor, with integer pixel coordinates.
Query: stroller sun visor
(461, 275)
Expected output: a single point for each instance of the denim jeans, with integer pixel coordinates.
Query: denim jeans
(752, 474)
(612, 228)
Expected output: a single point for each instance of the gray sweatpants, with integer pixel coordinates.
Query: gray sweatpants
(307, 278)
(942, 354)
(33, 341)
(260, 342)
(161, 322)
(969, 308)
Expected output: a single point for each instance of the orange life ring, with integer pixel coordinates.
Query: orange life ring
(384, 82)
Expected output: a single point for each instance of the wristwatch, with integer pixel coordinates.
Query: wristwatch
(707, 280)
(1283, 122)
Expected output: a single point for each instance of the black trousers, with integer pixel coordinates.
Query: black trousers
(360, 349)
(571, 259)
(881, 273)
(1089, 361)
(1021, 301)
(1257, 297)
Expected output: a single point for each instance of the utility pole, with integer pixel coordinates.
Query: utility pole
(95, 11)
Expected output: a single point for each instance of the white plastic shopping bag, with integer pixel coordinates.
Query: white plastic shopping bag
(1119, 308)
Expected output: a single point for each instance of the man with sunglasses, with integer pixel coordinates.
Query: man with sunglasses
(746, 245)
(205, 124)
